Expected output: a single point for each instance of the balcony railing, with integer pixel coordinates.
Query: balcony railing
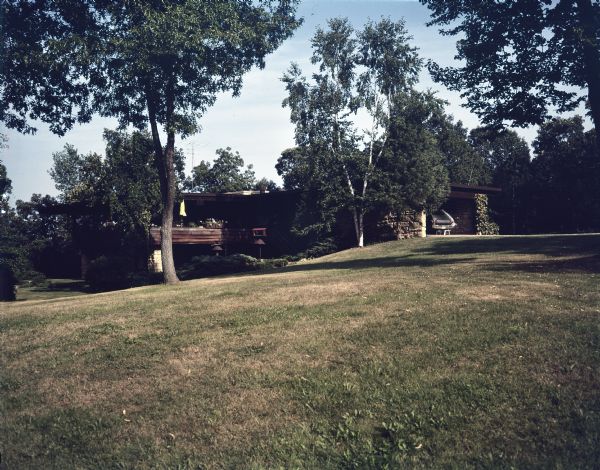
(209, 236)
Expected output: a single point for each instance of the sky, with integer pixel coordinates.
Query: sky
(255, 123)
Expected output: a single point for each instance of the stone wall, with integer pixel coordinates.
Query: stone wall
(400, 225)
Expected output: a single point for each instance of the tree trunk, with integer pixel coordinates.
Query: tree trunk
(358, 217)
(168, 202)
(166, 174)
(591, 61)
(361, 230)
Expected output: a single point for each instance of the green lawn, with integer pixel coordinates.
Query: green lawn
(54, 289)
(447, 352)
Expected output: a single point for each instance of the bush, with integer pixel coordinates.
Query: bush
(8, 283)
(108, 273)
(321, 248)
(274, 263)
(144, 278)
(204, 266)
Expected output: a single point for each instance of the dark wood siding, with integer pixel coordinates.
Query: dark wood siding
(208, 236)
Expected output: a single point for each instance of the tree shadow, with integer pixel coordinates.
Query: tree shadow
(53, 289)
(586, 264)
(379, 262)
(551, 245)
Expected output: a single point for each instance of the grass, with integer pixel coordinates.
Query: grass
(55, 288)
(461, 352)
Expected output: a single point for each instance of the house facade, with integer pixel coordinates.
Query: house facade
(254, 221)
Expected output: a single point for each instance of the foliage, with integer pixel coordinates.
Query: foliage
(14, 246)
(226, 174)
(522, 58)
(506, 155)
(483, 223)
(203, 266)
(5, 183)
(323, 247)
(294, 167)
(107, 273)
(337, 166)
(265, 184)
(114, 272)
(465, 165)
(413, 171)
(49, 237)
(8, 283)
(112, 200)
(565, 181)
(156, 63)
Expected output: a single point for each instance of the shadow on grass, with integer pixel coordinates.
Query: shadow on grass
(552, 245)
(55, 288)
(444, 253)
(380, 262)
(586, 264)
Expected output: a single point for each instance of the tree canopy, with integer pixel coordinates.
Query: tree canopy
(143, 62)
(225, 174)
(372, 71)
(522, 59)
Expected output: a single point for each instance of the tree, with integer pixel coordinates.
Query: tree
(363, 70)
(116, 197)
(265, 184)
(465, 165)
(507, 157)
(5, 184)
(522, 58)
(13, 245)
(144, 62)
(565, 178)
(413, 173)
(47, 235)
(226, 174)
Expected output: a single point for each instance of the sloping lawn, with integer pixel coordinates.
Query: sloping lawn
(461, 352)
(55, 288)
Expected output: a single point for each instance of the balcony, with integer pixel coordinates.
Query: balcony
(209, 236)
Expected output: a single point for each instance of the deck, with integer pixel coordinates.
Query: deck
(209, 236)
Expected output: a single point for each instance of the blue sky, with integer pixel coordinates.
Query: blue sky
(254, 124)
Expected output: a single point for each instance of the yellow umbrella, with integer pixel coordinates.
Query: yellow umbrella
(182, 209)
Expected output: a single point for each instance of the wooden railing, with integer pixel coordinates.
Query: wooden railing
(209, 236)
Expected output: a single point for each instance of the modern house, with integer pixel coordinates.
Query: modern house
(247, 221)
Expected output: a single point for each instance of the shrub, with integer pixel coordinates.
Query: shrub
(203, 266)
(485, 225)
(144, 278)
(274, 263)
(8, 283)
(108, 273)
(321, 248)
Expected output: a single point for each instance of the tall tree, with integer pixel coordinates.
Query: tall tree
(413, 172)
(465, 165)
(507, 157)
(363, 70)
(117, 197)
(145, 62)
(522, 58)
(565, 178)
(226, 174)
